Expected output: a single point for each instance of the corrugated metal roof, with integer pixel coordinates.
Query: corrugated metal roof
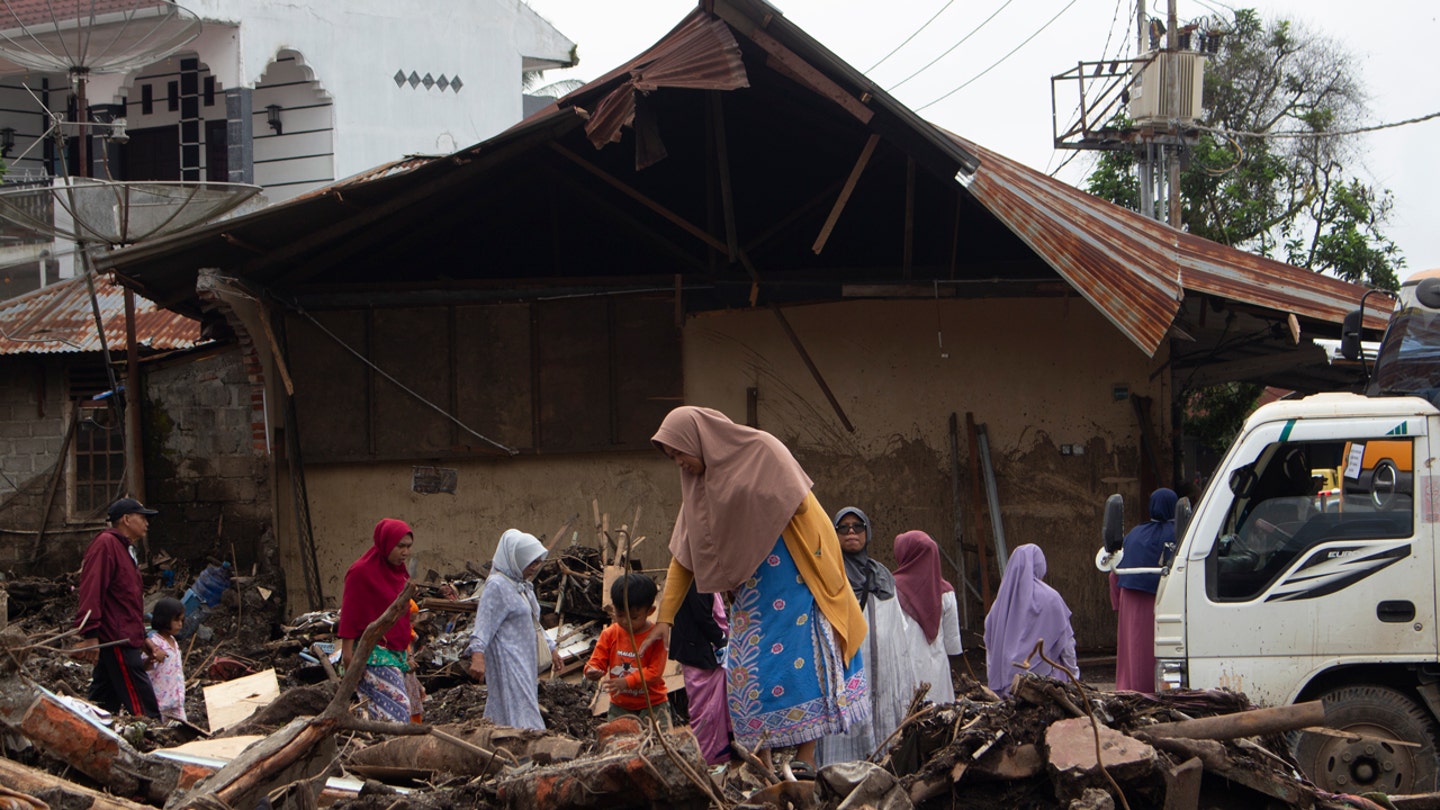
(59, 319)
(698, 54)
(1136, 270)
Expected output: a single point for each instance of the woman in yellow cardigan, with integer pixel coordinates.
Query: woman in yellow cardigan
(749, 527)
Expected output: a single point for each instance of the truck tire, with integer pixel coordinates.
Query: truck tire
(1341, 765)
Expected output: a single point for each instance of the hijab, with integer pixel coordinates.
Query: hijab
(866, 575)
(1025, 611)
(1145, 544)
(516, 551)
(372, 583)
(732, 513)
(918, 581)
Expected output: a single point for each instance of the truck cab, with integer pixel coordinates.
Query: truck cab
(1289, 595)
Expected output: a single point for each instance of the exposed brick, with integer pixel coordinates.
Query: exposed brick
(16, 430)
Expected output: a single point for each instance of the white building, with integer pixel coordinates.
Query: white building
(289, 96)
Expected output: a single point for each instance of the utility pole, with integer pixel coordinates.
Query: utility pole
(1172, 154)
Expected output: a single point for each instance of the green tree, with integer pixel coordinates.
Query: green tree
(1289, 198)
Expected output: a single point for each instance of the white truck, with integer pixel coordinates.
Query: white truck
(1273, 592)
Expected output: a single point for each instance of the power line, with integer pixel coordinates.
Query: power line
(948, 4)
(1312, 134)
(997, 62)
(928, 65)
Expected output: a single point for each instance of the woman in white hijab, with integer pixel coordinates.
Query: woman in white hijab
(503, 651)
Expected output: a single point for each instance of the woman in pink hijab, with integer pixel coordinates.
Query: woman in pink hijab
(929, 600)
(1026, 612)
(371, 585)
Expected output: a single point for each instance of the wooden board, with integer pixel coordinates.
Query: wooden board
(232, 701)
(226, 748)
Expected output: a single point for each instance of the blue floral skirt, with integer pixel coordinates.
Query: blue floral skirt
(788, 682)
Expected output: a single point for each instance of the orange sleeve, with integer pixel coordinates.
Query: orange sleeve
(604, 649)
(652, 671)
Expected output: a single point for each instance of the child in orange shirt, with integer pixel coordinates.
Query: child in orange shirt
(633, 689)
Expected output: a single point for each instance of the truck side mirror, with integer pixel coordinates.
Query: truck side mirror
(1427, 292)
(1183, 513)
(1350, 334)
(1112, 531)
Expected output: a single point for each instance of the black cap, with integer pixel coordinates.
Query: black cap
(127, 506)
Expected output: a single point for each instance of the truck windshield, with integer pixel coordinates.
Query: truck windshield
(1409, 360)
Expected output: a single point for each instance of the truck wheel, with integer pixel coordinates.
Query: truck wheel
(1343, 765)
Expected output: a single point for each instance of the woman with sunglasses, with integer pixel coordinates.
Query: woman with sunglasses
(889, 662)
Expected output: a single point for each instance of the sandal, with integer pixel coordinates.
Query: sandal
(801, 770)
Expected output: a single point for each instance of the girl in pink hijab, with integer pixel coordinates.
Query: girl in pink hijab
(371, 585)
(929, 600)
(1027, 611)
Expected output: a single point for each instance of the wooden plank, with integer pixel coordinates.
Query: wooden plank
(232, 701)
(972, 435)
(810, 364)
(624, 188)
(722, 157)
(908, 259)
(789, 63)
(845, 192)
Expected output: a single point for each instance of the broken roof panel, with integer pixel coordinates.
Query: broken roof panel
(1136, 270)
(59, 319)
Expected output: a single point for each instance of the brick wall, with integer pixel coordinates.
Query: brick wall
(207, 469)
(33, 417)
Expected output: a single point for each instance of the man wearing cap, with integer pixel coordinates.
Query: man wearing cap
(112, 609)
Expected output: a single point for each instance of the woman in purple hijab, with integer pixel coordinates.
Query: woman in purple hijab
(1026, 611)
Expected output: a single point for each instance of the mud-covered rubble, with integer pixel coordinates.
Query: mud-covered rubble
(1051, 745)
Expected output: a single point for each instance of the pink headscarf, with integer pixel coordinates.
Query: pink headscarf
(918, 581)
(372, 583)
(734, 512)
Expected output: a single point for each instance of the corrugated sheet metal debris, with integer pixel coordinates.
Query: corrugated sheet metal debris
(59, 319)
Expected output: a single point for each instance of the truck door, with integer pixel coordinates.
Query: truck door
(1290, 588)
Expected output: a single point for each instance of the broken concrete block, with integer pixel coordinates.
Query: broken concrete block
(1072, 751)
(1018, 762)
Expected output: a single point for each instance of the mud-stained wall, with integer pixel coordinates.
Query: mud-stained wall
(1040, 373)
(534, 494)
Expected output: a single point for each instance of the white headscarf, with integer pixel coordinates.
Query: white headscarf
(517, 550)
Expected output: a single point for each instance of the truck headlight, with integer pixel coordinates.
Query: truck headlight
(1171, 673)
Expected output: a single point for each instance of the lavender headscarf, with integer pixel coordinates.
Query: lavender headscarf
(1025, 611)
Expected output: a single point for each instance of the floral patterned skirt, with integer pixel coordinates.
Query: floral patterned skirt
(386, 697)
(788, 682)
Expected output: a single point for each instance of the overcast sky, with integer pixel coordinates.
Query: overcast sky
(1008, 108)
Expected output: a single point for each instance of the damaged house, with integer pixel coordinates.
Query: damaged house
(738, 219)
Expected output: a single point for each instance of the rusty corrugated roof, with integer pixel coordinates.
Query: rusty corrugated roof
(59, 319)
(1136, 270)
(698, 54)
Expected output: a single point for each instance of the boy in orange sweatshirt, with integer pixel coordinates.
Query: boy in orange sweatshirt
(634, 687)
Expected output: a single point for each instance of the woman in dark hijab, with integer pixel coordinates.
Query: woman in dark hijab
(1133, 595)
(888, 663)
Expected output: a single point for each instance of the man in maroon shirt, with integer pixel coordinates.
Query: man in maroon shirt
(112, 611)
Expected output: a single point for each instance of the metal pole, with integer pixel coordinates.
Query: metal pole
(134, 458)
(1172, 152)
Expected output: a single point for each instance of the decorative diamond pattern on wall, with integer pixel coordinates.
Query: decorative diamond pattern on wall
(429, 80)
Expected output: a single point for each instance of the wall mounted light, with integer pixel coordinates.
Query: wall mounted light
(272, 117)
(7, 141)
